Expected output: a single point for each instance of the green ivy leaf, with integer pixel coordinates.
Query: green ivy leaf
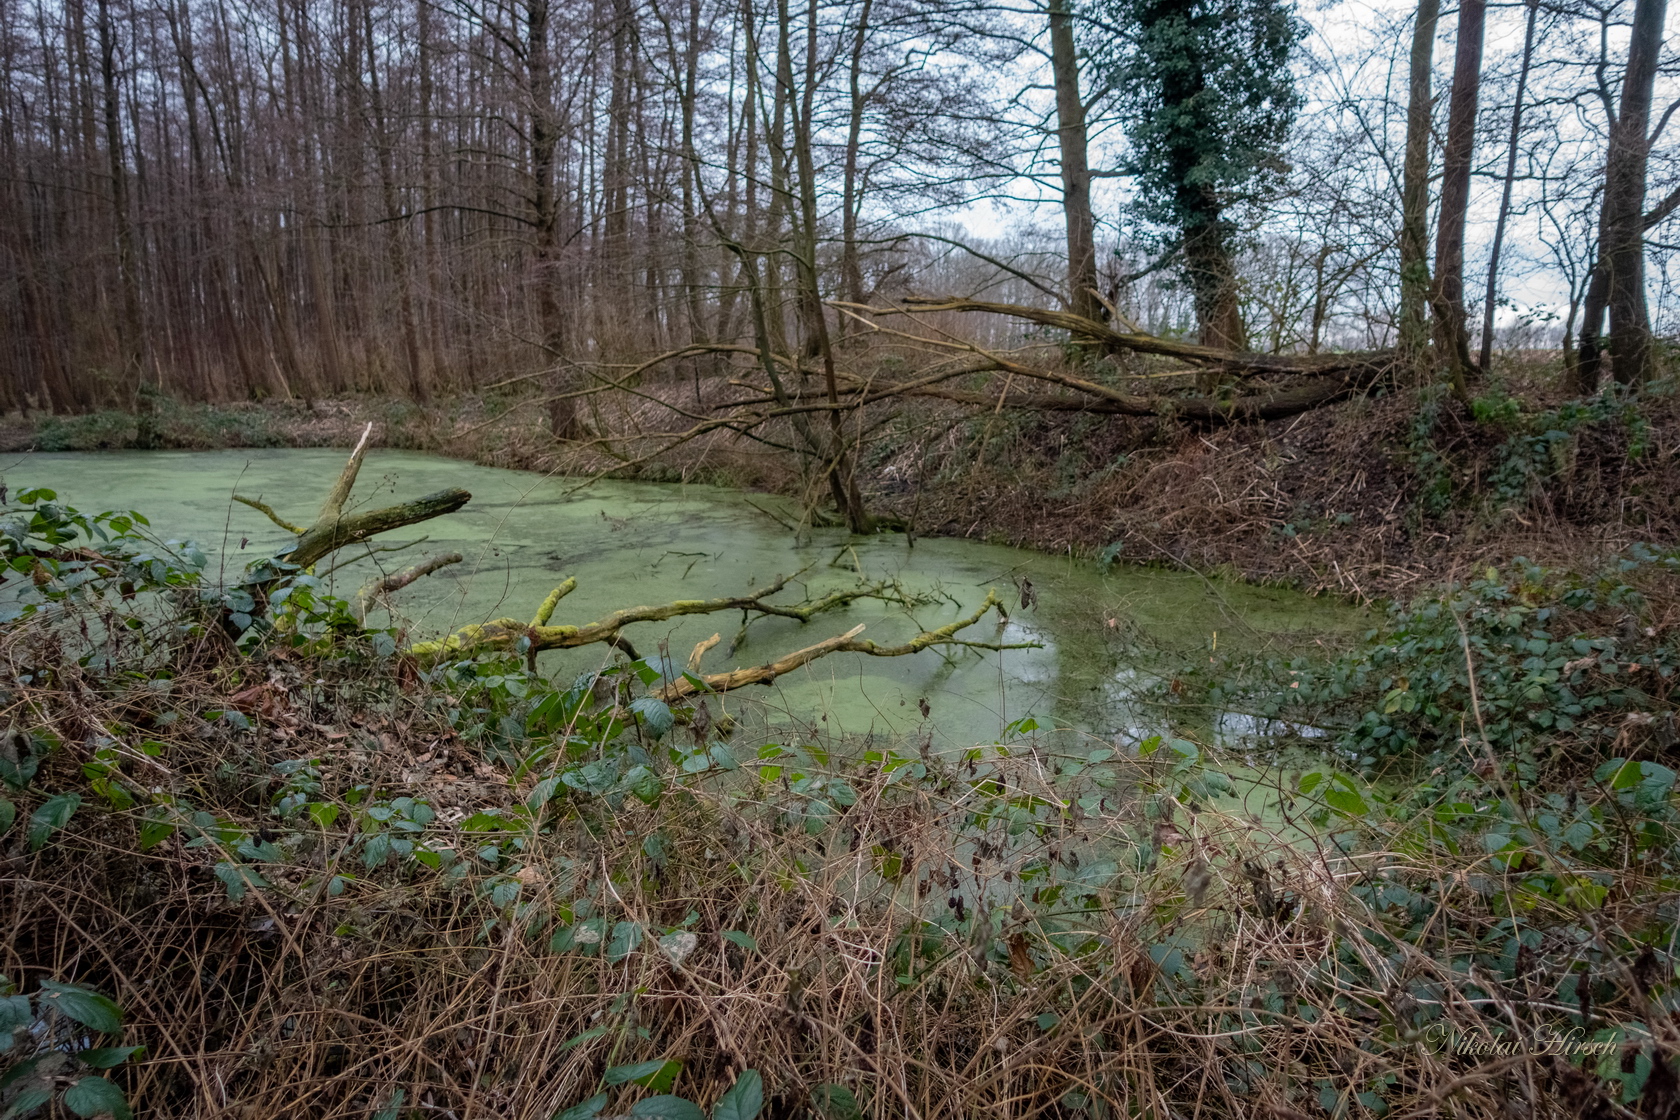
(104, 1057)
(237, 878)
(154, 832)
(53, 815)
(743, 1100)
(542, 793)
(18, 1073)
(393, 1110)
(377, 851)
(29, 1100)
(626, 939)
(656, 715)
(586, 1110)
(580, 1039)
(14, 1013)
(88, 1008)
(1346, 801)
(836, 1102)
(667, 1108)
(644, 784)
(658, 1075)
(744, 940)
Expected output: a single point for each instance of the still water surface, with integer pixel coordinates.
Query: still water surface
(1103, 633)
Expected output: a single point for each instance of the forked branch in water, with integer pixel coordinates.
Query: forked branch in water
(512, 636)
(396, 581)
(842, 643)
(333, 528)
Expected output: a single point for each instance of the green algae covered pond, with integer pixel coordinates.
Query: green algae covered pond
(1103, 633)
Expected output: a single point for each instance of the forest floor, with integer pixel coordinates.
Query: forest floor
(279, 866)
(1372, 498)
(289, 870)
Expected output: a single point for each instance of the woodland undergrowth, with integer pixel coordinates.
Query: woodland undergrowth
(276, 867)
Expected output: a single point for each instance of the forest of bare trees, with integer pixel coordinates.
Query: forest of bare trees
(306, 198)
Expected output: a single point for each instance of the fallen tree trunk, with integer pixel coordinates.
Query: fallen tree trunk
(1226, 360)
(1331, 377)
(1199, 410)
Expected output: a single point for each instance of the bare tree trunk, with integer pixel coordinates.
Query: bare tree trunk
(690, 170)
(1414, 199)
(1447, 298)
(851, 267)
(616, 172)
(1621, 234)
(779, 208)
(841, 478)
(428, 182)
(544, 210)
(740, 169)
(1451, 334)
(1486, 358)
(396, 236)
(1076, 174)
(130, 334)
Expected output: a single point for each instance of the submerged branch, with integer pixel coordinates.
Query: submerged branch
(505, 633)
(268, 511)
(371, 591)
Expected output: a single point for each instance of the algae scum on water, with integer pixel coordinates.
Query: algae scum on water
(1104, 636)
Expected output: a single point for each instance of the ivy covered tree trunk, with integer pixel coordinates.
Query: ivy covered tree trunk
(1206, 98)
(1213, 279)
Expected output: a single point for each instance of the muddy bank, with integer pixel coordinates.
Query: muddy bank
(1369, 498)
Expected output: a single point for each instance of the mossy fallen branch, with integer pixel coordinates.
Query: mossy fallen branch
(333, 528)
(842, 643)
(509, 635)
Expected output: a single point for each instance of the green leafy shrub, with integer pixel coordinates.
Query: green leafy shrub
(1531, 663)
(334, 879)
(49, 1053)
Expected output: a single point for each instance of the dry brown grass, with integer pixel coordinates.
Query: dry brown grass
(1219, 967)
(1222, 964)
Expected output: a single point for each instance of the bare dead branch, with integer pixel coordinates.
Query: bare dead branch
(370, 592)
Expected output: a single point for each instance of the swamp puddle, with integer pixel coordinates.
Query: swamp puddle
(1104, 634)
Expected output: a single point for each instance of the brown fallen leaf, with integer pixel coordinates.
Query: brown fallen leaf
(1020, 960)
